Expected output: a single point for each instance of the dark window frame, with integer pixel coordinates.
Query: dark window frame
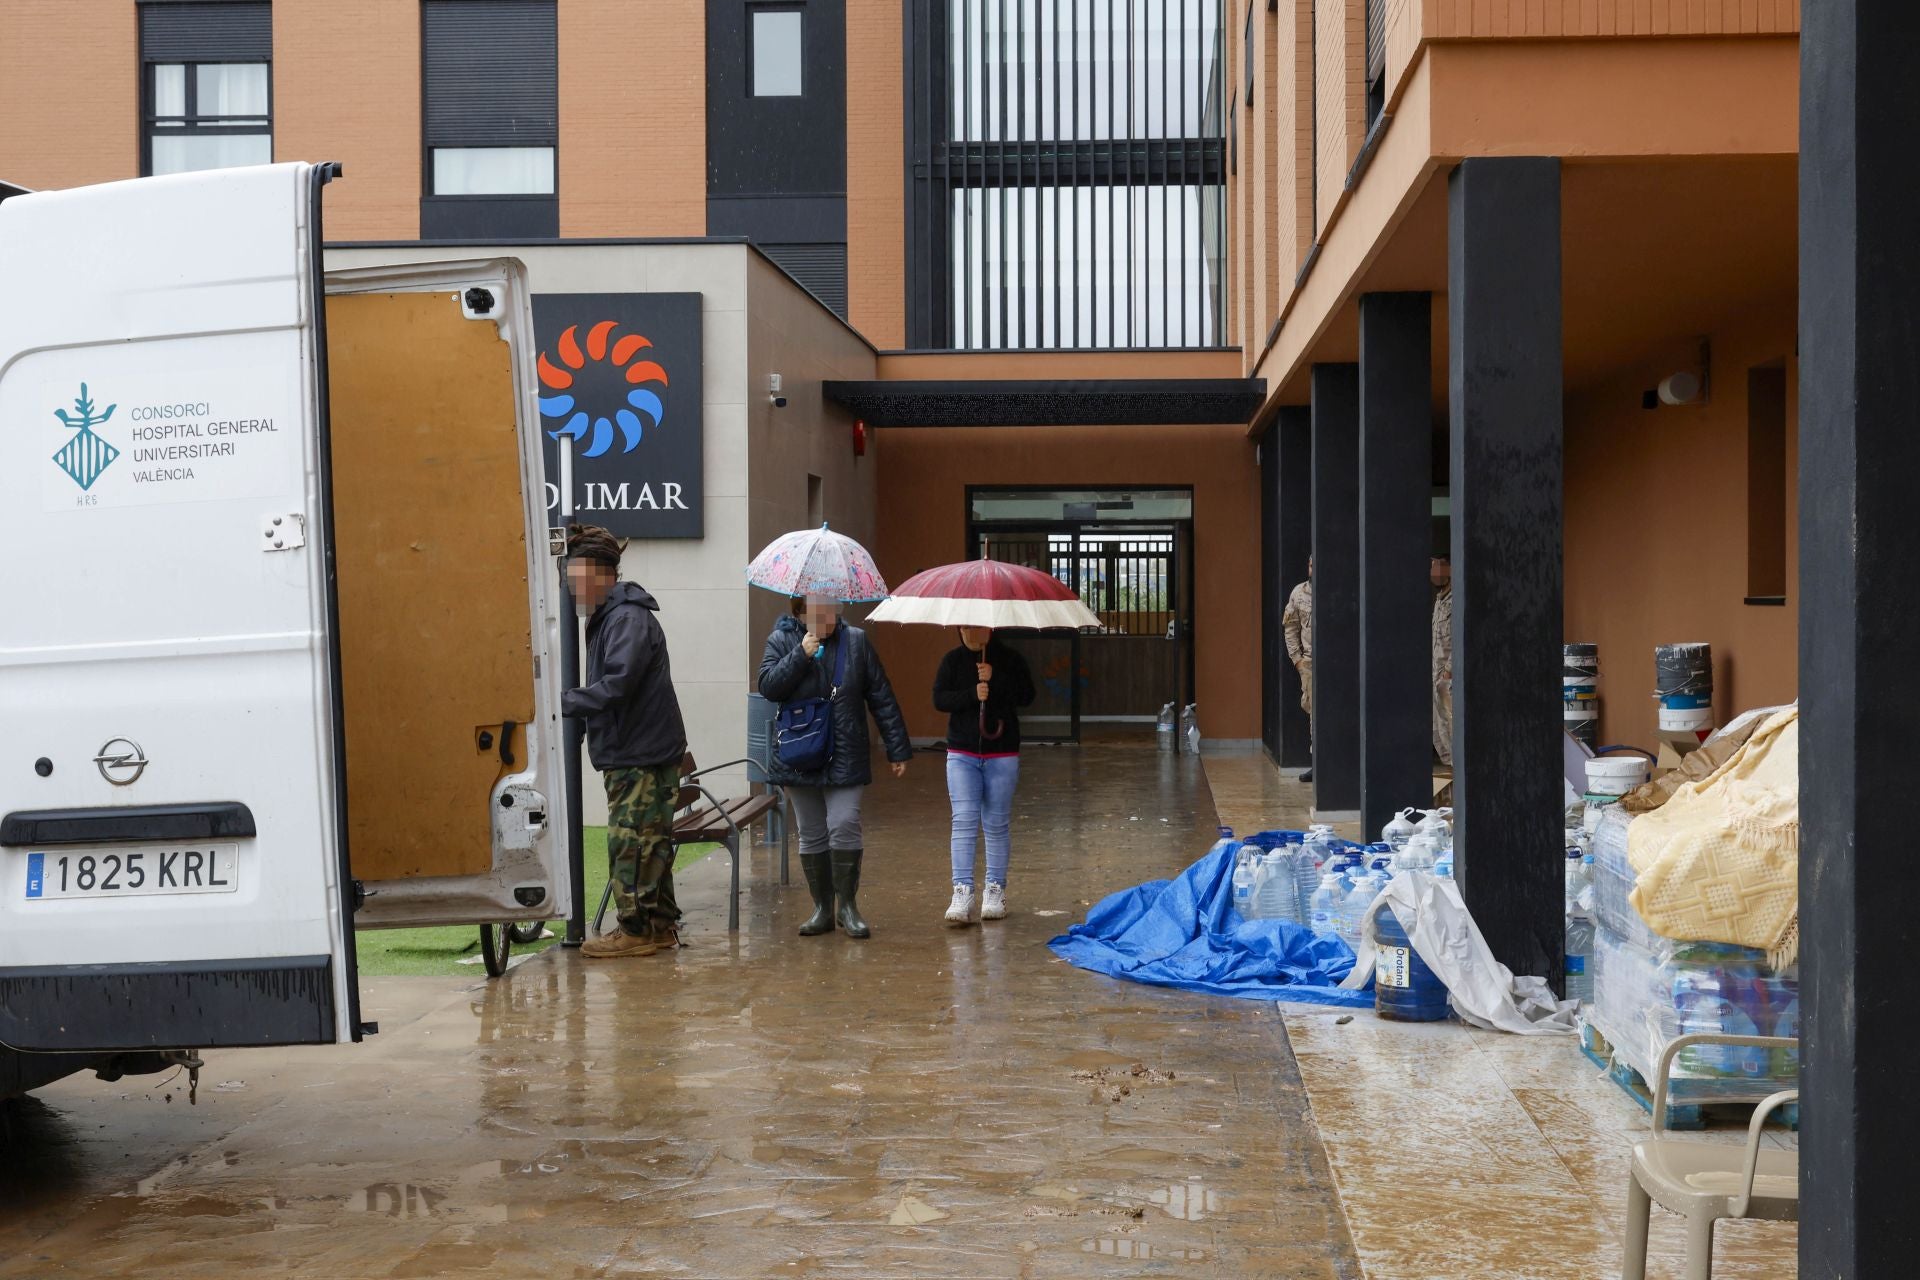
(942, 163)
(754, 9)
(192, 124)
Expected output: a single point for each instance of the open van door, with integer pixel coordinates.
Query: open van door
(213, 618)
(449, 630)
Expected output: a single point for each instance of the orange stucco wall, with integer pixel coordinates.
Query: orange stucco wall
(69, 93)
(923, 479)
(374, 131)
(633, 139)
(876, 188)
(1656, 532)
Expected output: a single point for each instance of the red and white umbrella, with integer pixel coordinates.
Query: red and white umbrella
(985, 593)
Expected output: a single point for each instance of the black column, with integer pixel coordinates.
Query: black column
(1273, 596)
(1292, 443)
(1396, 541)
(1859, 628)
(1336, 587)
(1503, 310)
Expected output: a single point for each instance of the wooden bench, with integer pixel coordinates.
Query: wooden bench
(700, 817)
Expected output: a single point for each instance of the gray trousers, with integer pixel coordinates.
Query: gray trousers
(829, 817)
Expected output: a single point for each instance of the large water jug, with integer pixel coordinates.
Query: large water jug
(1416, 855)
(1243, 884)
(1443, 865)
(1365, 890)
(1306, 878)
(1435, 827)
(1275, 897)
(1399, 829)
(1324, 908)
(1225, 841)
(1320, 842)
(1404, 988)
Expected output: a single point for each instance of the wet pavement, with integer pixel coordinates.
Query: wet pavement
(933, 1102)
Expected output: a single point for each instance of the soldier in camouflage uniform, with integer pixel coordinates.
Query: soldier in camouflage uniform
(635, 737)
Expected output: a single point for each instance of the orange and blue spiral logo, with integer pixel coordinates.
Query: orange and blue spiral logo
(578, 391)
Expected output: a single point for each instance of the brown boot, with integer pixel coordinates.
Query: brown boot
(667, 936)
(618, 942)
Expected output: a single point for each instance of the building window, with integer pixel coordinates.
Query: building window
(1376, 59)
(206, 85)
(491, 90)
(775, 49)
(1068, 168)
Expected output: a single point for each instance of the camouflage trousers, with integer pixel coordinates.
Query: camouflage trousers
(640, 806)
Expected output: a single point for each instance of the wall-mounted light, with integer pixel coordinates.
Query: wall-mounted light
(774, 396)
(1685, 386)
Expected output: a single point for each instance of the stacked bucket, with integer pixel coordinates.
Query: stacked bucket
(1683, 683)
(1580, 691)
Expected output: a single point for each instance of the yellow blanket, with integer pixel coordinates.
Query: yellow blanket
(1720, 861)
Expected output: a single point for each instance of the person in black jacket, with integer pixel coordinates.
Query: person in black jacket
(635, 737)
(800, 661)
(982, 685)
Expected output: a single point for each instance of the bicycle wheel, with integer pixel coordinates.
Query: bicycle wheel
(496, 943)
(527, 931)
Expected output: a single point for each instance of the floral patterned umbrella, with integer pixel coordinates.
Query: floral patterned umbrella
(818, 562)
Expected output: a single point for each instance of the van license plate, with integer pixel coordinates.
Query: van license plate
(133, 873)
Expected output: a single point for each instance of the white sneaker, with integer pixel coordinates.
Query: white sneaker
(960, 910)
(993, 906)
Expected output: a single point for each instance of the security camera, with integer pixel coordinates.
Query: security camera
(778, 402)
(773, 392)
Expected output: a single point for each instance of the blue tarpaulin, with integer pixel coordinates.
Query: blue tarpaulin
(1185, 933)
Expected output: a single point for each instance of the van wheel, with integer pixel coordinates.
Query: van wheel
(496, 943)
(527, 931)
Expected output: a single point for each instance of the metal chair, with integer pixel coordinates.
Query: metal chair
(1705, 1182)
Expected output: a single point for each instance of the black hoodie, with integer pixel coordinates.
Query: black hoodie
(633, 718)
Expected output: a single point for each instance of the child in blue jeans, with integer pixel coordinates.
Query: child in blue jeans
(981, 686)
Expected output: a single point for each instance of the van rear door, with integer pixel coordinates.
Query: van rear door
(173, 868)
(448, 627)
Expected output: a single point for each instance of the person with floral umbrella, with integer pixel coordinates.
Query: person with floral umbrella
(827, 678)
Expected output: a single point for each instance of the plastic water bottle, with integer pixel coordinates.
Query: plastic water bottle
(1580, 959)
(1399, 829)
(1275, 895)
(1354, 910)
(1324, 907)
(1443, 865)
(1306, 878)
(1416, 855)
(1319, 842)
(1226, 840)
(1243, 884)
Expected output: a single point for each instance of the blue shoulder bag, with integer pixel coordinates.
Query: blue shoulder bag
(803, 731)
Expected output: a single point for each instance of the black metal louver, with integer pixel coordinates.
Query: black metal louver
(207, 31)
(492, 73)
(820, 268)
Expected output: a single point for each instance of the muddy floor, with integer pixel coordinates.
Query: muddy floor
(932, 1102)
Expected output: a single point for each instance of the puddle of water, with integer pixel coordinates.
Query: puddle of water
(1187, 1201)
(912, 1211)
(1114, 1247)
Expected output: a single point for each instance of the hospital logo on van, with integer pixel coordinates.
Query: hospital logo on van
(603, 391)
(85, 455)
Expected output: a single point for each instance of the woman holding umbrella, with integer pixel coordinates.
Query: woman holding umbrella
(827, 677)
(981, 686)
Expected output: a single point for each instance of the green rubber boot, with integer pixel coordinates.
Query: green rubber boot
(819, 871)
(846, 884)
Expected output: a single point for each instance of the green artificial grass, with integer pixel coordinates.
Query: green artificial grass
(388, 953)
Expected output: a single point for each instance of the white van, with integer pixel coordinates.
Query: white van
(278, 652)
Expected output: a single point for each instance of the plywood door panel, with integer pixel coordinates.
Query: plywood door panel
(435, 637)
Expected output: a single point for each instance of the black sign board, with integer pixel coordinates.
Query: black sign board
(620, 377)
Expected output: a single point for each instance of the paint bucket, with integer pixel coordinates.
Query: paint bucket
(1683, 675)
(1616, 775)
(1685, 719)
(1579, 690)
